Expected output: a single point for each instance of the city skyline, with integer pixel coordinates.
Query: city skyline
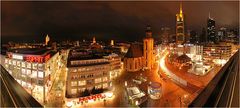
(120, 54)
(108, 20)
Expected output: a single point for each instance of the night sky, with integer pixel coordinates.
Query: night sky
(31, 21)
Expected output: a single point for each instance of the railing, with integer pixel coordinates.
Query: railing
(216, 93)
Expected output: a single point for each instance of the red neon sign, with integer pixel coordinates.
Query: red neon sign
(39, 59)
(93, 97)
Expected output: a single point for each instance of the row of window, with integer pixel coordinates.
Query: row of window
(74, 77)
(82, 83)
(38, 66)
(28, 72)
(80, 62)
(74, 90)
(89, 69)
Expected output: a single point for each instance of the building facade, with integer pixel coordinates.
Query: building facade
(34, 69)
(141, 57)
(211, 30)
(90, 73)
(148, 50)
(180, 34)
(217, 51)
(134, 60)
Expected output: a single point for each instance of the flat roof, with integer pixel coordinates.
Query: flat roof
(80, 54)
(32, 51)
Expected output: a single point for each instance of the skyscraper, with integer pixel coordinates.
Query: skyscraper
(211, 30)
(193, 37)
(165, 37)
(148, 43)
(180, 38)
(203, 37)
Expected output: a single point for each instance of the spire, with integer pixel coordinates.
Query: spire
(148, 31)
(47, 39)
(94, 40)
(209, 16)
(181, 8)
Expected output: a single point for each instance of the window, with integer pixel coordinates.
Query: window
(105, 79)
(105, 85)
(14, 62)
(40, 74)
(74, 83)
(40, 82)
(23, 71)
(35, 65)
(29, 65)
(28, 72)
(18, 63)
(81, 89)
(40, 66)
(98, 86)
(23, 64)
(73, 91)
(6, 61)
(98, 80)
(34, 74)
(9, 61)
(81, 83)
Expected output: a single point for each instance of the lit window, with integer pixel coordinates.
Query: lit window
(73, 91)
(6, 61)
(18, 63)
(28, 72)
(9, 61)
(98, 86)
(14, 62)
(40, 66)
(105, 85)
(40, 74)
(34, 74)
(105, 79)
(6, 65)
(35, 65)
(74, 83)
(81, 83)
(29, 65)
(23, 71)
(23, 64)
(98, 80)
(81, 89)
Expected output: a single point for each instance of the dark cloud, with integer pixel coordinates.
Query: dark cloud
(105, 20)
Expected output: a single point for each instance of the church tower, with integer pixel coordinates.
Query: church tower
(47, 39)
(148, 43)
(180, 37)
(94, 40)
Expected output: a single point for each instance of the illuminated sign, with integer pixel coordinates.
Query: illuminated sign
(30, 58)
(93, 97)
(39, 59)
(15, 56)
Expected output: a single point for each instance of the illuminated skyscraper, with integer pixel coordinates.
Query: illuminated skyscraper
(211, 30)
(148, 48)
(180, 38)
(165, 37)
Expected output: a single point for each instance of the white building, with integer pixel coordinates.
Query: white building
(33, 68)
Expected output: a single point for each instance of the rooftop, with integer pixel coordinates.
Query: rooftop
(134, 51)
(32, 51)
